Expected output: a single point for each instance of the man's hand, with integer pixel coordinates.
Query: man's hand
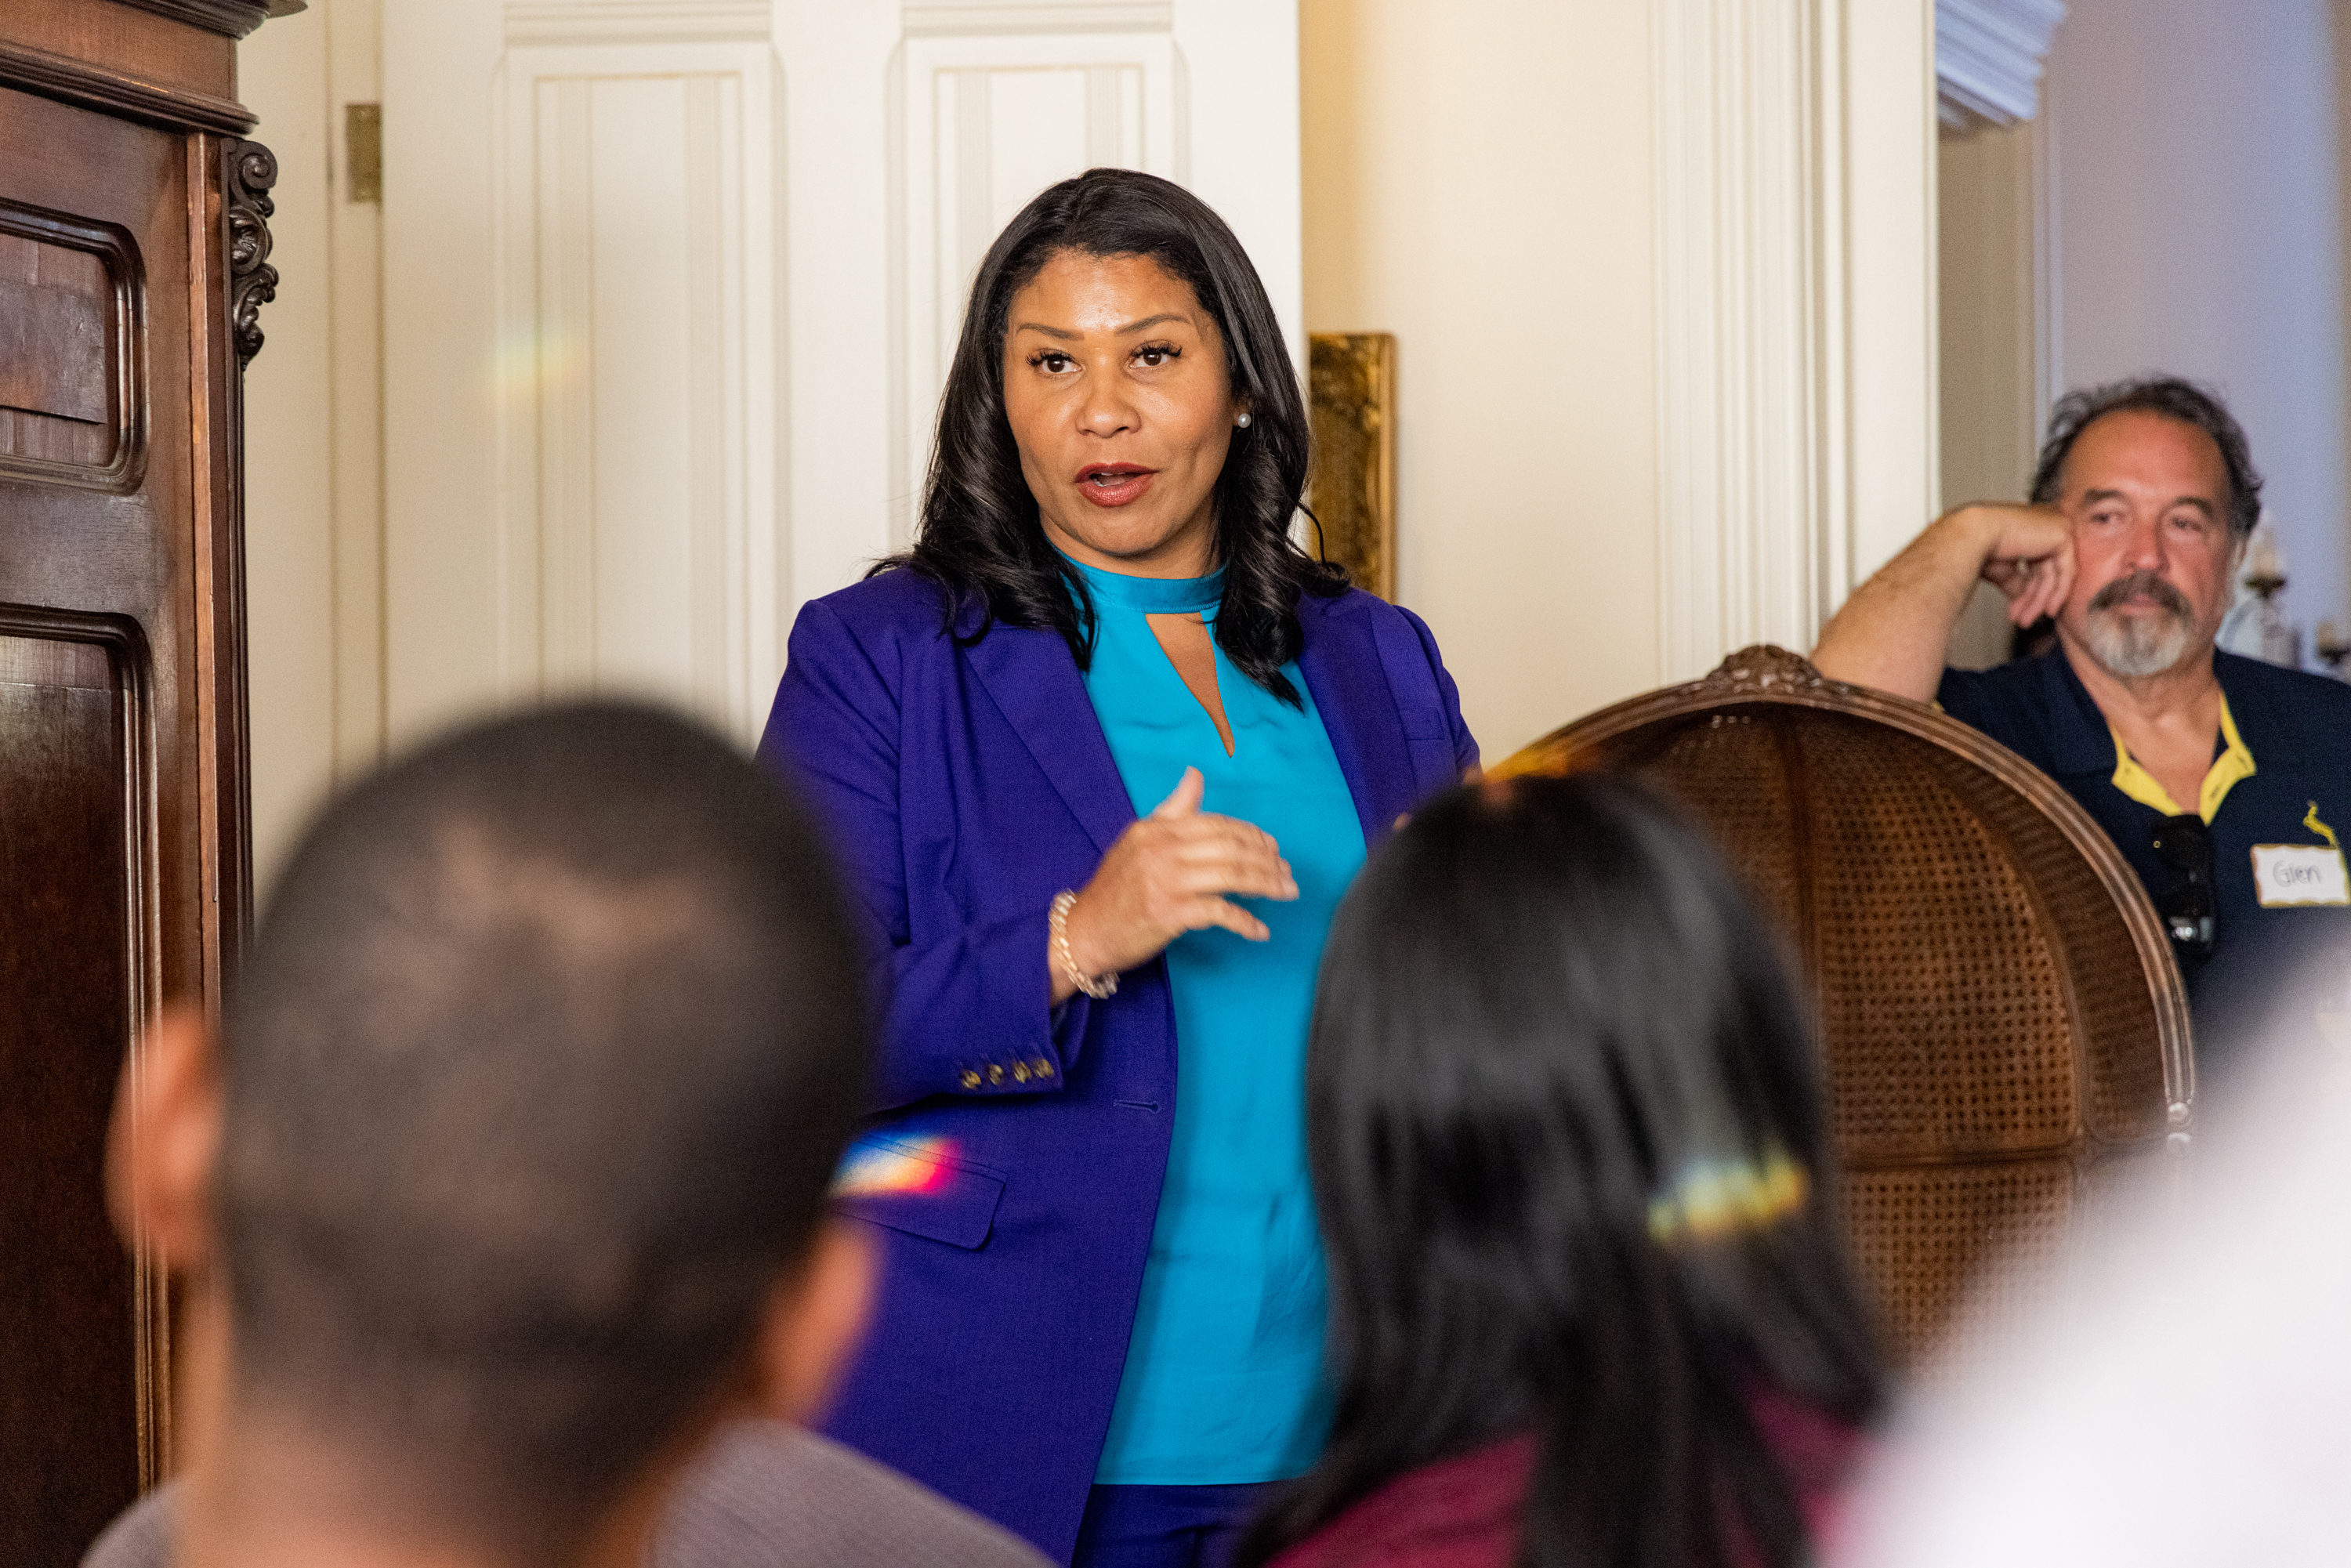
(2030, 559)
(1892, 632)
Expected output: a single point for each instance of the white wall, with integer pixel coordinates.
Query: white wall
(2198, 231)
(1994, 330)
(290, 598)
(312, 479)
(1478, 182)
(1661, 274)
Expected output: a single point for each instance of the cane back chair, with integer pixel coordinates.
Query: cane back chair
(2003, 1024)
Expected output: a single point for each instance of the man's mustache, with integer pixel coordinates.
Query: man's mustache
(2141, 584)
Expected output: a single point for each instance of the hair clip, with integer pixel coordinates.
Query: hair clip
(1715, 1198)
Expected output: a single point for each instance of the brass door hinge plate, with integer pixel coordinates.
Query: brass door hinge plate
(363, 152)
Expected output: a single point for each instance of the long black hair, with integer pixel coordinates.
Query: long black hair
(1571, 1160)
(979, 535)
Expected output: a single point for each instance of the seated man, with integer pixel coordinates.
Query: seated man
(2225, 781)
(504, 1186)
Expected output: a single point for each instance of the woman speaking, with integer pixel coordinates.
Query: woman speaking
(1100, 754)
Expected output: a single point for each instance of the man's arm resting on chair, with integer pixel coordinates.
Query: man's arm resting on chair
(1891, 632)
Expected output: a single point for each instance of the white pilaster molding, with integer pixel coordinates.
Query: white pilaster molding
(1988, 55)
(1795, 310)
(1888, 300)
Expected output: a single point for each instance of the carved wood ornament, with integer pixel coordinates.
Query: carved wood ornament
(252, 171)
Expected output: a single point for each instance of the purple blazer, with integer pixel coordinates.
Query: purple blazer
(1013, 1164)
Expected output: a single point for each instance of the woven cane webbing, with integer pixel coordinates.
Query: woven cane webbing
(1921, 1235)
(1973, 1052)
(1732, 773)
(1998, 1013)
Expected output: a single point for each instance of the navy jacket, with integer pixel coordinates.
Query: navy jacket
(963, 786)
(2298, 728)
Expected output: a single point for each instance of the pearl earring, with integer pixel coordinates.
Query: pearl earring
(1241, 420)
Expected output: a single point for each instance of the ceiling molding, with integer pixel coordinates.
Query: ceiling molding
(1988, 57)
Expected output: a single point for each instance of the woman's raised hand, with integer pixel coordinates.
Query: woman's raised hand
(1170, 873)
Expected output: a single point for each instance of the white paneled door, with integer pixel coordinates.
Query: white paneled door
(670, 287)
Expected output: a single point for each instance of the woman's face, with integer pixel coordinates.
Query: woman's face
(1115, 383)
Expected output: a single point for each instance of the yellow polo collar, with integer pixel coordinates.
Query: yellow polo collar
(2234, 763)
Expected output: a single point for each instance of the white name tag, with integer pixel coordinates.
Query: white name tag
(2285, 875)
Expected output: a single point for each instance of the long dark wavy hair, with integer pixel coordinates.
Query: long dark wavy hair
(1571, 1161)
(979, 535)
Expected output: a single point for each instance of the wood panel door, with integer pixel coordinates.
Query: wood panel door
(123, 843)
(670, 291)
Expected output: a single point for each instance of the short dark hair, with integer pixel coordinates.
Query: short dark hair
(2173, 398)
(545, 1051)
(1549, 1025)
(980, 535)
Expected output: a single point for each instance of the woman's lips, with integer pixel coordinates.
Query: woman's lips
(1113, 484)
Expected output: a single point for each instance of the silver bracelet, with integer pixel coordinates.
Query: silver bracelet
(1100, 987)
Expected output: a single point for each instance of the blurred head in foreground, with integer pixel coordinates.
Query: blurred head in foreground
(1571, 1156)
(504, 1180)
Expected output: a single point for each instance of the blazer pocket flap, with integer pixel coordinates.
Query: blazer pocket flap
(916, 1186)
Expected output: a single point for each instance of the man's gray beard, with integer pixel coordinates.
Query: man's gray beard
(2130, 647)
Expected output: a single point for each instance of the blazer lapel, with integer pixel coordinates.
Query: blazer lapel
(1035, 685)
(1341, 661)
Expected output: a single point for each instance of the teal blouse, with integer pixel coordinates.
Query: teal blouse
(1224, 1372)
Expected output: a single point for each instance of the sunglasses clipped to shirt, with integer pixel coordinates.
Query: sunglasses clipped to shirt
(2189, 914)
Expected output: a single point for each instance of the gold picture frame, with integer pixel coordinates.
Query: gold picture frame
(1351, 385)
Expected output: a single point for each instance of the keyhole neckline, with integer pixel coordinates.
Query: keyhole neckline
(1155, 595)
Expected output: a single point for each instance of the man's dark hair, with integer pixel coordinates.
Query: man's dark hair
(545, 1052)
(1550, 1031)
(980, 538)
(2174, 399)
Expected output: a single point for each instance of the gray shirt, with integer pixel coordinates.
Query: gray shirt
(762, 1495)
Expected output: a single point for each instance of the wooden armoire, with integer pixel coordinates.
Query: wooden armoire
(133, 246)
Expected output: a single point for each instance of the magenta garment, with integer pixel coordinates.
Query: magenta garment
(1013, 1165)
(1463, 1512)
